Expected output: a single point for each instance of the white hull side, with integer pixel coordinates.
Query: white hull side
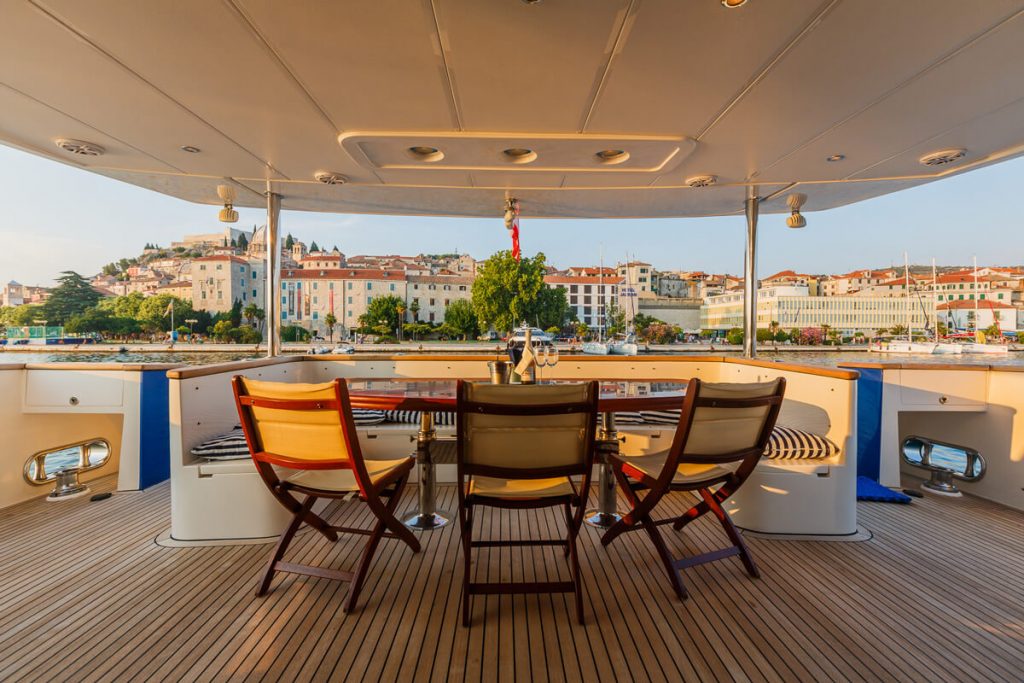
(951, 349)
(985, 348)
(595, 348)
(904, 347)
(627, 349)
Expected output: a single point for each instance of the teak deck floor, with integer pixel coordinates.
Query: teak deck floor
(937, 594)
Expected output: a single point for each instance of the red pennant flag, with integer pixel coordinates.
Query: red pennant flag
(516, 253)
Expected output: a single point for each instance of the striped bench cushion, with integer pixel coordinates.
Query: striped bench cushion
(412, 417)
(230, 446)
(365, 418)
(787, 443)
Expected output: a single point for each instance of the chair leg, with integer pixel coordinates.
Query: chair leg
(386, 514)
(283, 542)
(675, 577)
(364, 564)
(574, 561)
(730, 529)
(466, 522)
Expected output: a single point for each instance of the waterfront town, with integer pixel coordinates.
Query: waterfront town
(328, 294)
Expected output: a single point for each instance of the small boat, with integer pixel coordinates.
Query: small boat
(908, 347)
(624, 346)
(319, 350)
(976, 347)
(343, 349)
(537, 336)
(596, 348)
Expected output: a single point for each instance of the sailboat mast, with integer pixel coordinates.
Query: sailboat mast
(906, 294)
(976, 298)
(600, 295)
(935, 309)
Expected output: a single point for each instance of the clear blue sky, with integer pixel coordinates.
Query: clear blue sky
(55, 217)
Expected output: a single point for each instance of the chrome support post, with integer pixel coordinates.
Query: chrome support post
(427, 518)
(271, 306)
(750, 277)
(606, 513)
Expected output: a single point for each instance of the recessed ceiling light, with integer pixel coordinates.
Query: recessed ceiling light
(424, 153)
(80, 147)
(943, 157)
(733, 4)
(702, 180)
(612, 156)
(191, 149)
(836, 157)
(519, 155)
(330, 178)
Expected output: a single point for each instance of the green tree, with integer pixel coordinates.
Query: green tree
(153, 315)
(330, 321)
(243, 242)
(124, 306)
(250, 313)
(734, 336)
(72, 296)
(314, 247)
(615, 319)
(552, 308)
(20, 316)
(222, 330)
(294, 333)
(507, 292)
(289, 242)
(110, 269)
(414, 308)
(582, 330)
(461, 319)
(246, 334)
(382, 308)
(417, 330)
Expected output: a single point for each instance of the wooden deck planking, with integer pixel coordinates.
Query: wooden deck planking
(935, 595)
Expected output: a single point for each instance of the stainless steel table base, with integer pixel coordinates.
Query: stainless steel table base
(606, 513)
(427, 519)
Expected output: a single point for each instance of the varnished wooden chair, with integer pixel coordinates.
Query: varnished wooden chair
(304, 443)
(519, 447)
(723, 431)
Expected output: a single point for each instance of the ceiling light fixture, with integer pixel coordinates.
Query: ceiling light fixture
(330, 178)
(835, 157)
(702, 180)
(612, 156)
(796, 219)
(80, 147)
(519, 155)
(943, 157)
(425, 153)
(733, 4)
(228, 213)
(191, 149)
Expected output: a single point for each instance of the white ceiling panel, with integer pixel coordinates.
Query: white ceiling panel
(40, 58)
(859, 52)
(371, 65)
(527, 68)
(204, 56)
(682, 62)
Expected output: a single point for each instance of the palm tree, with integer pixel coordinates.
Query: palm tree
(330, 321)
(773, 327)
(250, 313)
(414, 308)
(400, 309)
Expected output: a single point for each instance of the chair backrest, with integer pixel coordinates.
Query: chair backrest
(299, 426)
(526, 431)
(727, 422)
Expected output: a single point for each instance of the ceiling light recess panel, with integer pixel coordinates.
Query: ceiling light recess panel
(943, 157)
(80, 147)
(576, 153)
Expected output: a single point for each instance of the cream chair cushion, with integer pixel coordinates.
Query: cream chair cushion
(519, 488)
(340, 479)
(526, 442)
(726, 430)
(687, 473)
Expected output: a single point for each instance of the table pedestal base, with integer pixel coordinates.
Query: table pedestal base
(601, 520)
(419, 522)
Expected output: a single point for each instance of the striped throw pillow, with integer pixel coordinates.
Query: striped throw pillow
(412, 417)
(787, 443)
(230, 446)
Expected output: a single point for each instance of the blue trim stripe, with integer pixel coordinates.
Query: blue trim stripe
(869, 423)
(154, 429)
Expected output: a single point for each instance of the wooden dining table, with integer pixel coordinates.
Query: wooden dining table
(429, 396)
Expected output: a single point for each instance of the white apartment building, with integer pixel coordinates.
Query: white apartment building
(433, 294)
(219, 281)
(307, 296)
(792, 307)
(590, 297)
(638, 276)
(958, 315)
